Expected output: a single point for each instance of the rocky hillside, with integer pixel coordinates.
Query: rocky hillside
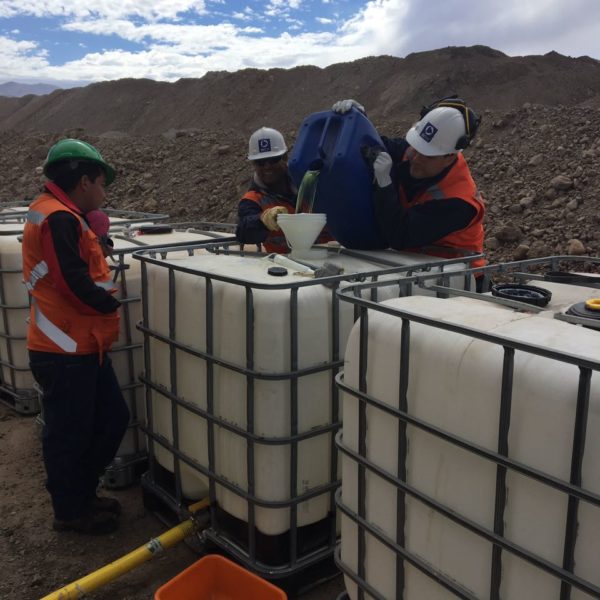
(536, 158)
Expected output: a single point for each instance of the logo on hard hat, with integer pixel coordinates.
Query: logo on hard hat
(428, 132)
(264, 145)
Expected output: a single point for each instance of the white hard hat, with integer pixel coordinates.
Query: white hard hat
(265, 143)
(438, 132)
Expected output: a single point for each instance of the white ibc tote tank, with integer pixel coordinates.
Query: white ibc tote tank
(538, 406)
(15, 374)
(16, 381)
(228, 312)
(564, 296)
(127, 354)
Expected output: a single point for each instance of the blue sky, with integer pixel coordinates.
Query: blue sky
(56, 42)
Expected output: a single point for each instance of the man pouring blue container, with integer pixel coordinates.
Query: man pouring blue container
(271, 193)
(418, 193)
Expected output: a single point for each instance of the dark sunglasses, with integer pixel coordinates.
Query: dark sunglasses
(273, 160)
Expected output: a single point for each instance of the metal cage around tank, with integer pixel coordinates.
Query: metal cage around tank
(296, 551)
(125, 468)
(575, 494)
(127, 351)
(17, 388)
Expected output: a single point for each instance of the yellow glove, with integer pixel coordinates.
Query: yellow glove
(269, 217)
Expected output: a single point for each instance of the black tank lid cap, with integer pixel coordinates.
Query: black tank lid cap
(155, 229)
(529, 294)
(277, 271)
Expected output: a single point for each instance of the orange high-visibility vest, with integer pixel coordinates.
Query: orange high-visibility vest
(57, 325)
(275, 241)
(458, 183)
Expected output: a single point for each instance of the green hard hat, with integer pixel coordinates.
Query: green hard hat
(77, 150)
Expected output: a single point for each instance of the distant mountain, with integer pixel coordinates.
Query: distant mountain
(16, 90)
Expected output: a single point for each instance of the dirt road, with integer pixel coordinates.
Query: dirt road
(36, 560)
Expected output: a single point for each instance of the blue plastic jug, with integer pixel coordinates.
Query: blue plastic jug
(331, 143)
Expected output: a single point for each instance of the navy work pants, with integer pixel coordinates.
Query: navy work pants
(85, 418)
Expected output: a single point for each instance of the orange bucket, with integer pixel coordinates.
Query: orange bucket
(217, 578)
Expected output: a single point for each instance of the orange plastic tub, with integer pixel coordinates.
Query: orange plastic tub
(217, 578)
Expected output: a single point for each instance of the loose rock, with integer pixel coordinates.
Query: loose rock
(575, 247)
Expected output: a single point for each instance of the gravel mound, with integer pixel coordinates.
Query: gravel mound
(181, 148)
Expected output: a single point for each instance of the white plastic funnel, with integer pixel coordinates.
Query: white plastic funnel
(301, 230)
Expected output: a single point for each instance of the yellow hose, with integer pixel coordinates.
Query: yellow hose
(130, 561)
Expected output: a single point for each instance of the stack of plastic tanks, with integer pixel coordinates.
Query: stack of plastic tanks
(16, 382)
(132, 232)
(241, 355)
(127, 352)
(471, 441)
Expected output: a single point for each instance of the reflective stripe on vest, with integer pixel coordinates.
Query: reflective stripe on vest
(38, 272)
(275, 241)
(50, 330)
(265, 200)
(35, 217)
(436, 192)
(106, 285)
(56, 324)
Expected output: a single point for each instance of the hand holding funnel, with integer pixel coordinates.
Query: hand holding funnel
(301, 230)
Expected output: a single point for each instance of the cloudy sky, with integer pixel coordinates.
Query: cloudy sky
(56, 41)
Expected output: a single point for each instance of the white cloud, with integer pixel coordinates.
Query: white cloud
(281, 7)
(168, 61)
(184, 39)
(248, 14)
(111, 9)
(11, 48)
(379, 26)
(515, 27)
(173, 48)
(20, 57)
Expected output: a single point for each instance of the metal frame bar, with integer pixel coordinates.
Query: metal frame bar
(248, 556)
(129, 216)
(22, 400)
(576, 494)
(25, 400)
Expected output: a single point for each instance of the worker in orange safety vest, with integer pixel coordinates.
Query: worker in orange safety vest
(424, 196)
(73, 322)
(271, 193)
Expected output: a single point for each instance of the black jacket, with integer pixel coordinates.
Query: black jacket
(423, 224)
